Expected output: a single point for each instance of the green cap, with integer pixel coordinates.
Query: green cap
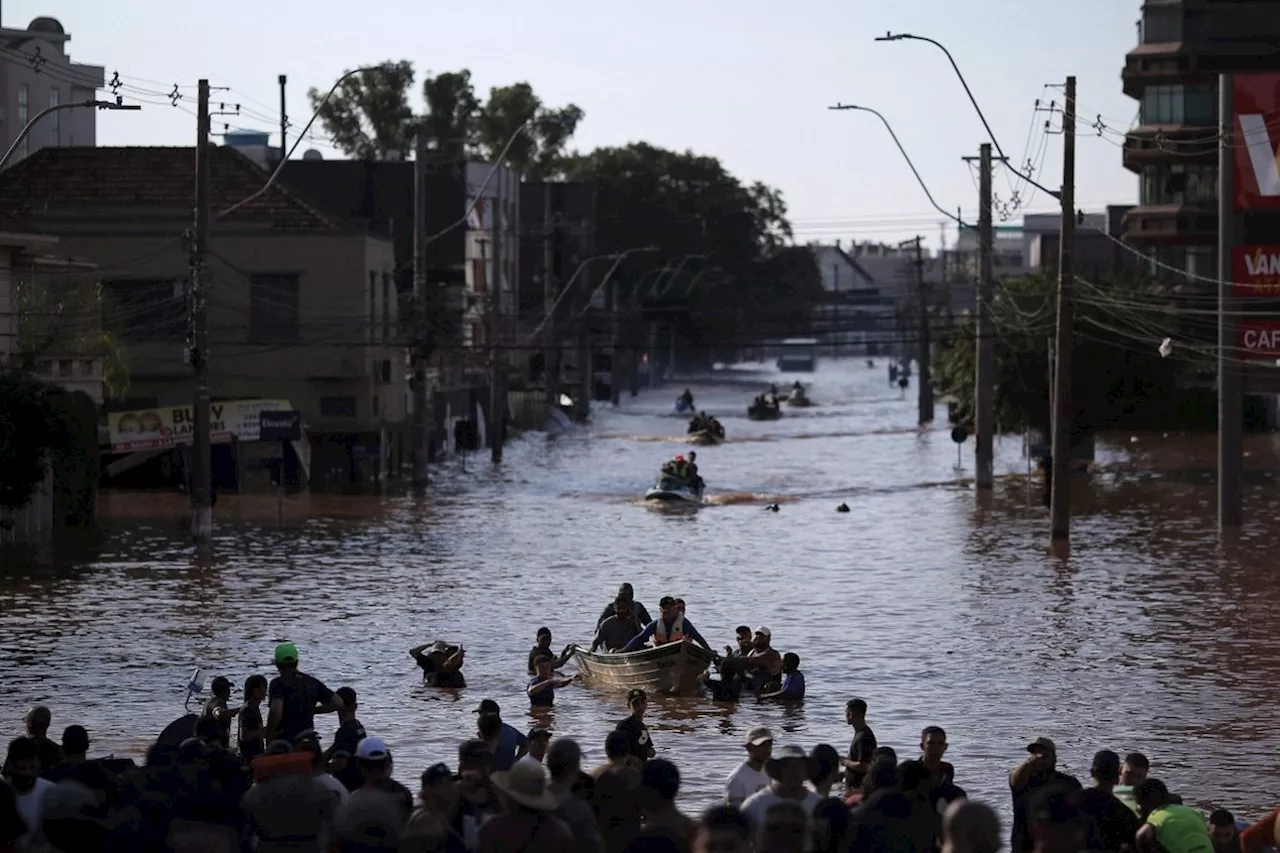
(286, 653)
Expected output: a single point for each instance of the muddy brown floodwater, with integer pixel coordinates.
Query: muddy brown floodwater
(1150, 636)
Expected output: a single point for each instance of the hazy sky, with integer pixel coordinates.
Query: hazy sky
(748, 81)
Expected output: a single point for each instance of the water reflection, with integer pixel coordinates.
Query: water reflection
(936, 606)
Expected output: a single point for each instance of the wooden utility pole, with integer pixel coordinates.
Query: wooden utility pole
(201, 465)
(284, 120)
(1230, 397)
(984, 380)
(550, 364)
(1062, 414)
(924, 378)
(421, 445)
(497, 373)
(615, 359)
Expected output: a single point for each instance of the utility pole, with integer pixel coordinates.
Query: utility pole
(201, 466)
(985, 368)
(1063, 421)
(421, 398)
(497, 390)
(924, 379)
(615, 362)
(1230, 398)
(550, 364)
(284, 121)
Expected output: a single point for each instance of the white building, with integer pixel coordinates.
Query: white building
(496, 218)
(38, 73)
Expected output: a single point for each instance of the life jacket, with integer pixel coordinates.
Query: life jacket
(661, 636)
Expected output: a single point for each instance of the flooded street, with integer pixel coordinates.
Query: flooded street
(1151, 636)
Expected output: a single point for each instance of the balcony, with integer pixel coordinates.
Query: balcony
(1155, 144)
(1172, 224)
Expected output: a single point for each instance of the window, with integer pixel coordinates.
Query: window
(1179, 184)
(274, 310)
(388, 300)
(1162, 24)
(55, 132)
(1177, 104)
(66, 368)
(145, 310)
(373, 306)
(337, 407)
(86, 367)
(23, 96)
(1202, 261)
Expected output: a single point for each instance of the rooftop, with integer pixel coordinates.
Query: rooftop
(68, 181)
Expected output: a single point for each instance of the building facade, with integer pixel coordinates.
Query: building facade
(1183, 45)
(36, 73)
(854, 317)
(299, 307)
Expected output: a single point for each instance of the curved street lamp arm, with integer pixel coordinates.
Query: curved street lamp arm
(618, 258)
(69, 105)
(497, 164)
(990, 133)
(906, 157)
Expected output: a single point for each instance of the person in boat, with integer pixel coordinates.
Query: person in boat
(543, 647)
(669, 627)
(686, 399)
(614, 633)
(677, 468)
(715, 428)
(441, 664)
(693, 477)
(773, 390)
(696, 424)
(797, 389)
(628, 592)
(792, 687)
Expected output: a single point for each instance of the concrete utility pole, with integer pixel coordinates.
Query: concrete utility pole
(582, 403)
(421, 445)
(1230, 397)
(1063, 419)
(284, 121)
(984, 379)
(497, 389)
(550, 363)
(615, 360)
(924, 379)
(201, 465)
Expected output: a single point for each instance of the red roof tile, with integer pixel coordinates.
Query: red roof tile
(118, 179)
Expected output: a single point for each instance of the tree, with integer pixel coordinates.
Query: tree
(538, 152)
(368, 115)
(62, 314)
(1116, 380)
(450, 120)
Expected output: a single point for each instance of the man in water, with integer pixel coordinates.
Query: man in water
(669, 627)
(1033, 776)
(625, 591)
(792, 687)
(639, 744)
(542, 687)
(858, 762)
(544, 648)
(441, 664)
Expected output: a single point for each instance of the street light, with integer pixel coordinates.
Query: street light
(617, 257)
(991, 134)
(905, 156)
(69, 105)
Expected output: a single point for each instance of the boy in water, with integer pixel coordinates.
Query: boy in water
(792, 689)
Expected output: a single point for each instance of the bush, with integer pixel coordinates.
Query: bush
(47, 428)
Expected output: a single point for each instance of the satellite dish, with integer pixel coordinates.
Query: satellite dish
(312, 154)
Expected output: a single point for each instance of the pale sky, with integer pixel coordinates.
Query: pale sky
(748, 81)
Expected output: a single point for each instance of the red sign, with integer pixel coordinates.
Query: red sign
(1257, 138)
(1255, 271)
(1259, 339)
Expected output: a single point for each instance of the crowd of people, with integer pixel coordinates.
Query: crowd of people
(276, 787)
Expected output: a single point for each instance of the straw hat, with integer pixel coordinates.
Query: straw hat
(526, 784)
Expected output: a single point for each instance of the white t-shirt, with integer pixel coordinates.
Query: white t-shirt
(31, 808)
(760, 802)
(742, 783)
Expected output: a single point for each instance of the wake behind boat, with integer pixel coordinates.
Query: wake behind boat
(705, 438)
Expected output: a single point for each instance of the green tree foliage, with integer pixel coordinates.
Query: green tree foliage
(1116, 380)
(60, 313)
(370, 117)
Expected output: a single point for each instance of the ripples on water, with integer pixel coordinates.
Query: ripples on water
(1150, 636)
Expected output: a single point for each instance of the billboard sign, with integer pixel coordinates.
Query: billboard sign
(1257, 163)
(165, 427)
(1255, 271)
(1259, 339)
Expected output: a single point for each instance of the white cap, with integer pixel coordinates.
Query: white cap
(765, 631)
(759, 735)
(372, 749)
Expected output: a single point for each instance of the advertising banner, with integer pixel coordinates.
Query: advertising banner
(1256, 126)
(1259, 339)
(1255, 271)
(167, 426)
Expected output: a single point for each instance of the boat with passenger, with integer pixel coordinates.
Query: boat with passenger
(671, 488)
(764, 409)
(674, 668)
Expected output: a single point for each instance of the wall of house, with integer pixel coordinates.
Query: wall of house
(25, 91)
(496, 217)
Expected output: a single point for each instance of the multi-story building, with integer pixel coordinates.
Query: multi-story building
(1183, 45)
(301, 307)
(854, 317)
(36, 72)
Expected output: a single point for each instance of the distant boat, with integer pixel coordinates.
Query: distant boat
(674, 668)
(670, 488)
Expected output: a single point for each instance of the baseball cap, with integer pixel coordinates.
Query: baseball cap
(286, 653)
(765, 631)
(1042, 744)
(372, 749)
(759, 735)
(488, 706)
(635, 694)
